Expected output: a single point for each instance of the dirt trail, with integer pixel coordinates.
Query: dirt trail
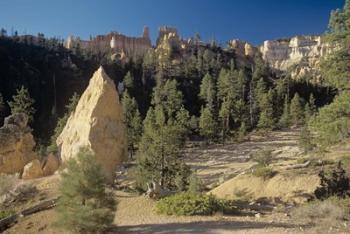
(136, 214)
(217, 163)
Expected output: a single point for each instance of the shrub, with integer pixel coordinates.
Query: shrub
(264, 172)
(195, 184)
(194, 204)
(7, 183)
(325, 210)
(337, 183)
(342, 202)
(263, 157)
(6, 213)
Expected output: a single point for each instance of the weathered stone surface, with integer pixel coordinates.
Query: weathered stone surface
(97, 123)
(117, 42)
(16, 144)
(303, 51)
(50, 165)
(32, 170)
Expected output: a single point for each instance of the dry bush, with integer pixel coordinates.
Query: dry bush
(7, 183)
(326, 212)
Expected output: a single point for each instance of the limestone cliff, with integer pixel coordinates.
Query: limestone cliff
(114, 42)
(16, 144)
(96, 123)
(301, 53)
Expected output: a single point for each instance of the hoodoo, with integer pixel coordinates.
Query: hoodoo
(97, 123)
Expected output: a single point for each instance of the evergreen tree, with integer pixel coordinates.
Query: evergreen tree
(312, 105)
(285, 119)
(132, 120)
(207, 124)
(242, 132)
(266, 119)
(296, 110)
(84, 205)
(162, 139)
(23, 103)
(305, 140)
(207, 91)
(128, 81)
(332, 123)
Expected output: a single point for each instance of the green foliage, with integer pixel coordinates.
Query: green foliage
(195, 184)
(193, 204)
(208, 92)
(296, 110)
(6, 213)
(285, 119)
(264, 172)
(61, 123)
(335, 67)
(132, 120)
(263, 157)
(242, 132)
(163, 137)
(84, 206)
(266, 119)
(23, 103)
(128, 81)
(336, 183)
(207, 124)
(306, 140)
(182, 177)
(332, 123)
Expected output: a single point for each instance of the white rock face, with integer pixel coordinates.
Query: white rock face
(305, 51)
(97, 123)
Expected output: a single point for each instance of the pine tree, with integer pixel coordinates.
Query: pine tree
(128, 81)
(208, 92)
(305, 140)
(207, 124)
(296, 110)
(165, 129)
(132, 120)
(285, 119)
(312, 104)
(84, 205)
(332, 123)
(242, 132)
(23, 103)
(266, 119)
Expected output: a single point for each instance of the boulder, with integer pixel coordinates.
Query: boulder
(50, 165)
(32, 170)
(97, 123)
(16, 144)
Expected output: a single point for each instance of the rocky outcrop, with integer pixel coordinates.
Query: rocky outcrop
(50, 165)
(16, 144)
(97, 123)
(243, 48)
(32, 170)
(115, 42)
(301, 54)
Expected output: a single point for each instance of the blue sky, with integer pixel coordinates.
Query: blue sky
(250, 20)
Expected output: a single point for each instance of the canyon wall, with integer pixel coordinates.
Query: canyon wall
(300, 54)
(114, 42)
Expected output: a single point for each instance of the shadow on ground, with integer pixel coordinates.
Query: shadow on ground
(205, 227)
